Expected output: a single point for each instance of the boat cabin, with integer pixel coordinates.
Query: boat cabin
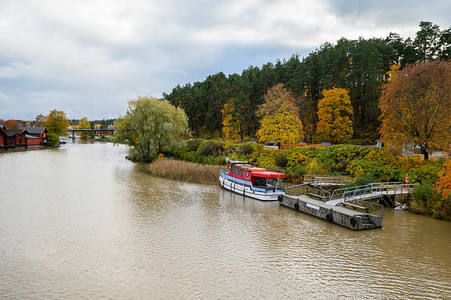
(259, 177)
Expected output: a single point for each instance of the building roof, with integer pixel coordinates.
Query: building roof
(12, 132)
(36, 130)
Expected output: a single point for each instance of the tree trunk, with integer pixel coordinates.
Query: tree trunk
(425, 153)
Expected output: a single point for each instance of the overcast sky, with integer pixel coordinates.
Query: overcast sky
(88, 57)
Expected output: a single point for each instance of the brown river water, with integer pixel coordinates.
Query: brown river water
(81, 222)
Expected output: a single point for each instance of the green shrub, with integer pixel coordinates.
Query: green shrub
(210, 147)
(281, 159)
(316, 167)
(384, 164)
(193, 145)
(296, 173)
(53, 138)
(365, 179)
(249, 148)
(422, 193)
(424, 171)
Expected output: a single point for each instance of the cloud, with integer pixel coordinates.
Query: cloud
(88, 57)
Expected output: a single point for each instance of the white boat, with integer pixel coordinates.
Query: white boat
(247, 180)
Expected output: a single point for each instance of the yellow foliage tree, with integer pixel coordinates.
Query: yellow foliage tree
(280, 127)
(56, 122)
(230, 121)
(84, 124)
(394, 69)
(334, 114)
(443, 184)
(280, 117)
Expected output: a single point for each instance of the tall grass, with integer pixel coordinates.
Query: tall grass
(185, 171)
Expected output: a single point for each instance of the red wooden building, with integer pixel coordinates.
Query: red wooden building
(24, 137)
(39, 132)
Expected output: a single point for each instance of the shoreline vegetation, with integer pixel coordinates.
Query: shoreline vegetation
(200, 160)
(184, 171)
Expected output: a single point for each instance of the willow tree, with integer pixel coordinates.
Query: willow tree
(334, 115)
(150, 127)
(416, 108)
(280, 117)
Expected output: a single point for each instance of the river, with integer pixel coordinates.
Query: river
(83, 222)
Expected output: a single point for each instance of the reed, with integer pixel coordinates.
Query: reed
(185, 171)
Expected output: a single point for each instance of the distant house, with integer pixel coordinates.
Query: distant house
(40, 132)
(15, 137)
(3, 136)
(24, 137)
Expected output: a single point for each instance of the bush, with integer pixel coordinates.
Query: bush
(383, 163)
(249, 148)
(296, 173)
(281, 159)
(53, 138)
(365, 179)
(210, 147)
(193, 145)
(422, 193)
(315, 167)
(424, 171)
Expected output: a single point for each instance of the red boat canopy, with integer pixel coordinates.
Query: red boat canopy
(268, 174)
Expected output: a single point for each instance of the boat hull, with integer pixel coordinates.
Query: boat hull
(248, 190)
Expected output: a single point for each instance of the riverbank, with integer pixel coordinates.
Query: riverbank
(365, 164)
(185, 171)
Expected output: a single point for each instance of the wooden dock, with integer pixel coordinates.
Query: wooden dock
(352, 216)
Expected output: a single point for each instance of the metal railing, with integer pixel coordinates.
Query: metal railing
(369, 207)
(371, 191)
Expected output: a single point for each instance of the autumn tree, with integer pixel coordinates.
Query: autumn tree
(84, 124)
(12, 124)
(231, 121)
(416, 107)
(280, 120)
(443, 184)
(335, 116)
(56, 122)
(150, 127)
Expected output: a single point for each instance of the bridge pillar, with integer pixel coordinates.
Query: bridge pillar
(73, 136)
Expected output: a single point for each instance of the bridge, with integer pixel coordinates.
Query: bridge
(108, 131)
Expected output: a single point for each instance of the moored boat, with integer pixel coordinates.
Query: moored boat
(247, 180)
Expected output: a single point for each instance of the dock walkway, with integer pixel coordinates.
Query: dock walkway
(350, 207)
(351, 218)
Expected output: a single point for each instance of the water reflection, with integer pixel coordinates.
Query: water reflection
(83, 222)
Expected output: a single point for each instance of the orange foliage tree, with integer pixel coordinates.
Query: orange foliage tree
(334, 114)
(443, 184)
(416, 107)
(11, 124)
(280, 120)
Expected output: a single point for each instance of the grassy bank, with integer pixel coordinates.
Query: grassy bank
(185, 171)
